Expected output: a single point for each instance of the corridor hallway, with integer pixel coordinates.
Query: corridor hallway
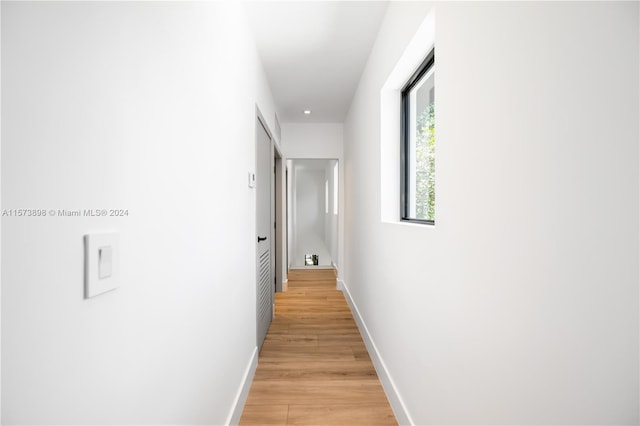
(314, 368)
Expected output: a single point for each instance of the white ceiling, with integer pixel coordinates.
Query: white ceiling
(314, 52)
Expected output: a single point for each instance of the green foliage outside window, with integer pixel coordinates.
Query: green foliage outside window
(425, 164)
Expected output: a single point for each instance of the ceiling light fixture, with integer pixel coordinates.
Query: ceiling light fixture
(307, 112)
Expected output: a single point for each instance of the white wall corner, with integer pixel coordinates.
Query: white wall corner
(243, 391)
(390, 389)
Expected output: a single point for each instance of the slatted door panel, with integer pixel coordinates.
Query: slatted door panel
(264, 296)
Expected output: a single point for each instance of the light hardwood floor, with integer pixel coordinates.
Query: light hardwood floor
(314, 368)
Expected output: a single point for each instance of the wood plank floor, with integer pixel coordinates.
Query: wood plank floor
(314, 368)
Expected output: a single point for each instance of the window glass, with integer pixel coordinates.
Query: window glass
(419, 183)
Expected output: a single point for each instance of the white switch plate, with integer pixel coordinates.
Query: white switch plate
(252, 180)
(101, 263)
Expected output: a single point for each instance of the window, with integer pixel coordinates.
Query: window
(335, 188)
(418, 185)
(326, 196)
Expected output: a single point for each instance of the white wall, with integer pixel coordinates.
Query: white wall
(1, 207)
(133, 106)
(321, 141)
(312, 140)
(521, 305)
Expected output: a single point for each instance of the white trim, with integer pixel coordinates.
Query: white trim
(285, 284)
(338, 276)
(302, 268)
(243, 391)
(390, 389)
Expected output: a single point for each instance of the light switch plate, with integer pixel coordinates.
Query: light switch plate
(252, 180)
(101, 263)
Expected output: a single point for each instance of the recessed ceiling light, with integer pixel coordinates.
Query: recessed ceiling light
(307, 112)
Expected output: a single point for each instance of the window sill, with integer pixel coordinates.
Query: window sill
(411, 223)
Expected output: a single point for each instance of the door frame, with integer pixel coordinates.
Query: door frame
(280, 221)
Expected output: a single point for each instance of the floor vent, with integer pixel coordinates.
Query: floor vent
(310, 259)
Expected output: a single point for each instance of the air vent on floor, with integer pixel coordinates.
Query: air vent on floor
(310, 259)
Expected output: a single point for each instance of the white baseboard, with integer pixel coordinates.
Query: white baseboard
(339, 281)
(243, 391)
(399, 409)
(307, 267)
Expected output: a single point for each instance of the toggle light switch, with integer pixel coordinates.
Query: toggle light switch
(101, 257)
(104, 262)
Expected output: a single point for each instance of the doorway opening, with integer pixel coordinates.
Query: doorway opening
(313, 213)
